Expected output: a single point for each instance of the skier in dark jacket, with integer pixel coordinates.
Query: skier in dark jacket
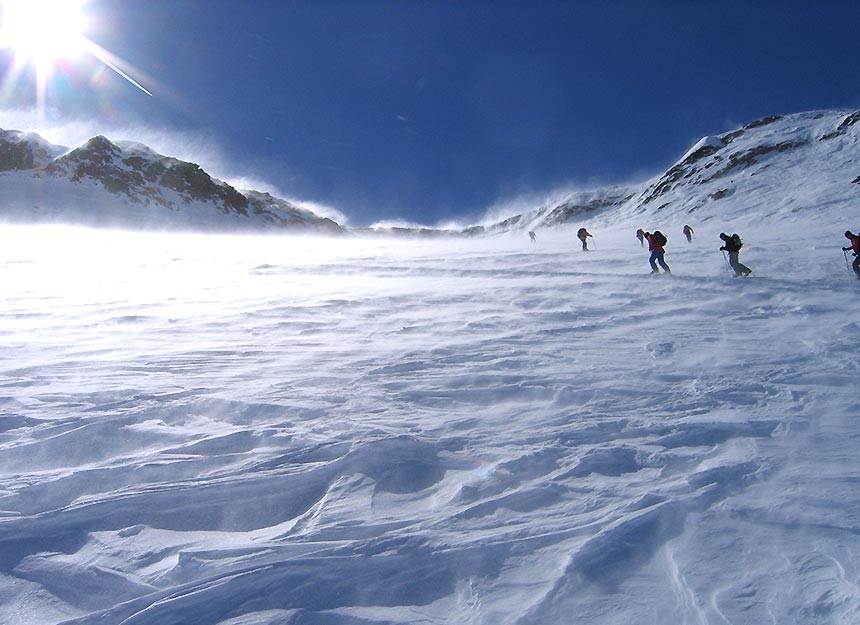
(855, 246)
(640, 234)
(732, 245)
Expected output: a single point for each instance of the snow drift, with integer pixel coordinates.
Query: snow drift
(224, 431)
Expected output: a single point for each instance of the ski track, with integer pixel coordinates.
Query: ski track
(216, 431)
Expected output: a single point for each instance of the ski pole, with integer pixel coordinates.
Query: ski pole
(848, 267)
(726, 258)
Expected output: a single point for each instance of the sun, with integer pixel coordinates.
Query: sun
(47, 36)
(42, 32)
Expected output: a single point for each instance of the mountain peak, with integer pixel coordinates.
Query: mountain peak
(23, 151)
(132, 186)
(100, 143)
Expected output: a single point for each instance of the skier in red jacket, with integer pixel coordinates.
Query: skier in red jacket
(855, 247)
(656, 241)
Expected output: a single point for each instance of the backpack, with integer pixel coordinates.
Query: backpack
(660, 238)
(736, 241)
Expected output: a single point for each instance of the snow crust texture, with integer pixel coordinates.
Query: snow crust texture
(258, 431)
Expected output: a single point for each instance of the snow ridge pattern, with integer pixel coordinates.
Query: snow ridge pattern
(230, 431)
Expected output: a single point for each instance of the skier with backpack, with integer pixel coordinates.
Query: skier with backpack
(732, 245)
(583, 234)
(855, 246)
(656, 245)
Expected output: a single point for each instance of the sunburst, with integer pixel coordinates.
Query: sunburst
(43, 33)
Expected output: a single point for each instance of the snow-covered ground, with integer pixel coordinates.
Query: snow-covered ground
(272, 431)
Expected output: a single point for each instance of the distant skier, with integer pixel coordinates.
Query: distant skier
(640, 234)
(656, 245)
(688, 232)
(732, 245)
(582, 234)
(532, 236)
(855, 246)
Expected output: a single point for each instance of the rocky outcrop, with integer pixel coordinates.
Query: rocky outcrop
(282, 213)
(15, 156)
(745, 158)
(142, 177)
(714, 160)
(20, 151)
(567, 211)
(194, 183)
(849, 121)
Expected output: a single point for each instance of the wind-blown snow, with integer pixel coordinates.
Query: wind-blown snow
(259, 431)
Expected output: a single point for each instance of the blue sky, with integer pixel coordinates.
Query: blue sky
(430, 111)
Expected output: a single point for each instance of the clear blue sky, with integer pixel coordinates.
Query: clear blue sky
(435, 110)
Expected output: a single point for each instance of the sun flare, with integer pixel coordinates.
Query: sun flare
(48, 37)
(42, 32)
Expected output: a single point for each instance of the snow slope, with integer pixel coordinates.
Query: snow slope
(803, 167)
(235, 431)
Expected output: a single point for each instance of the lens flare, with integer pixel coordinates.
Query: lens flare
(42, 31)
(43, 34)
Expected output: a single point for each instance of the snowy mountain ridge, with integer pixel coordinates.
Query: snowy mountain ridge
(777, 166)
(126, 184)
(806, 164)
